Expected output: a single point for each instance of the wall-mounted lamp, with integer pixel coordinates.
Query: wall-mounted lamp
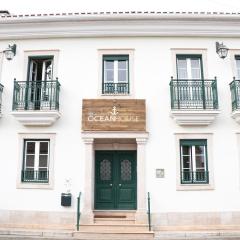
(10, 52)
(221, 50)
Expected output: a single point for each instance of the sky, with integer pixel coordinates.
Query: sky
(61, 6)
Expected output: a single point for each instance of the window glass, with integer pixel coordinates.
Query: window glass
(43, 147)
(30, 161)
(36, 161)
(182, 69)
(30, 147)
(196, 68)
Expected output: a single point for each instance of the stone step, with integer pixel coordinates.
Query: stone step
(115, 214)
(114, 236)
(113, 227)
(119, 221)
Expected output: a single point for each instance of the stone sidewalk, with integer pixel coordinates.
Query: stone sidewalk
(38, 234)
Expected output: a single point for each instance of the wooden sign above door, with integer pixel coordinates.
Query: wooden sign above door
(113, 115)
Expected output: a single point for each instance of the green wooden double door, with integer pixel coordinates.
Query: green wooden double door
(115, 180)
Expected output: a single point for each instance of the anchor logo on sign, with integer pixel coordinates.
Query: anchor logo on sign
(114, 111)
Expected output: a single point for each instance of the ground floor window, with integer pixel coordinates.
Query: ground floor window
(194, 164)
(36, 160)
(35, 167)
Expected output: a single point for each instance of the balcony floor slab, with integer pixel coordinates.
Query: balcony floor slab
(194, 117)
(36, 118)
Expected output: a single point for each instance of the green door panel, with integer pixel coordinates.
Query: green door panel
(115, 180)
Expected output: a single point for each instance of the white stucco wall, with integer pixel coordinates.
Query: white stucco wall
(78, 73)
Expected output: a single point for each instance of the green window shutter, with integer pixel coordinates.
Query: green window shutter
(193, 142)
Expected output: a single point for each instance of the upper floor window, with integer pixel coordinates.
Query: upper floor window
(237, 58)
(194, 167)
(36, 161)
(40, 68)
(189, 67)
(115, 74)
(40, 91)
(190, 90)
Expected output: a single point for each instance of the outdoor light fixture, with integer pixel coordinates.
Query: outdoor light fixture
(221, 50)
(10, 52)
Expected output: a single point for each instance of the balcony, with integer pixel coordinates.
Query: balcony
(40, 176)
(197, 177)
(1, 90)
(235, 95)
(115, 88)
(193, 101)
(36, 102)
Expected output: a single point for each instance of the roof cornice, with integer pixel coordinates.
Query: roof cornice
(120, 24)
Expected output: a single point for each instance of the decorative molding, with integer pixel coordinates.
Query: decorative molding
(116, 134)
(236, 116)
(88, 140)
(194, 117)
(36, 118)
(141, 141)
(120, 25)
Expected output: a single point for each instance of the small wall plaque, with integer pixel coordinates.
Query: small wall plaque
(160, 173)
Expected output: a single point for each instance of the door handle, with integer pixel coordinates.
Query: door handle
(119, 184)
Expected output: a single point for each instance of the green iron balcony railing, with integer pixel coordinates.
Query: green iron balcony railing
(193, 94)
(235, 94)
(1, 90)
(115, 88)
(35, 176)
(197, 177)
(36, 95)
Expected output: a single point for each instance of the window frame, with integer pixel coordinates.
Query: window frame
(189, 52)
(192, 143)
(237, 57)
(54, 54)
(40, 57)
(23, 137)
(209, 153)
(115, 59)
(116, 52)
(189, 56)
(36, 167)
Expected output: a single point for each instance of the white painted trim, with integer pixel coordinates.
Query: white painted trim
(130, 53)
(107, 134)
(120, 25)
(36, 118)
(194, 117)
(195, 187)
(21, 137)
(115, 146)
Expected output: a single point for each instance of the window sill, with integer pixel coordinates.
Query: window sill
(35, 185)
(194, 187)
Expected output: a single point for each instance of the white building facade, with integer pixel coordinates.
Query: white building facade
(115, 105)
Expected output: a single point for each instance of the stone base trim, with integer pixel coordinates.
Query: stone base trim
(37, 219)
(196, 220)
(184, 221)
